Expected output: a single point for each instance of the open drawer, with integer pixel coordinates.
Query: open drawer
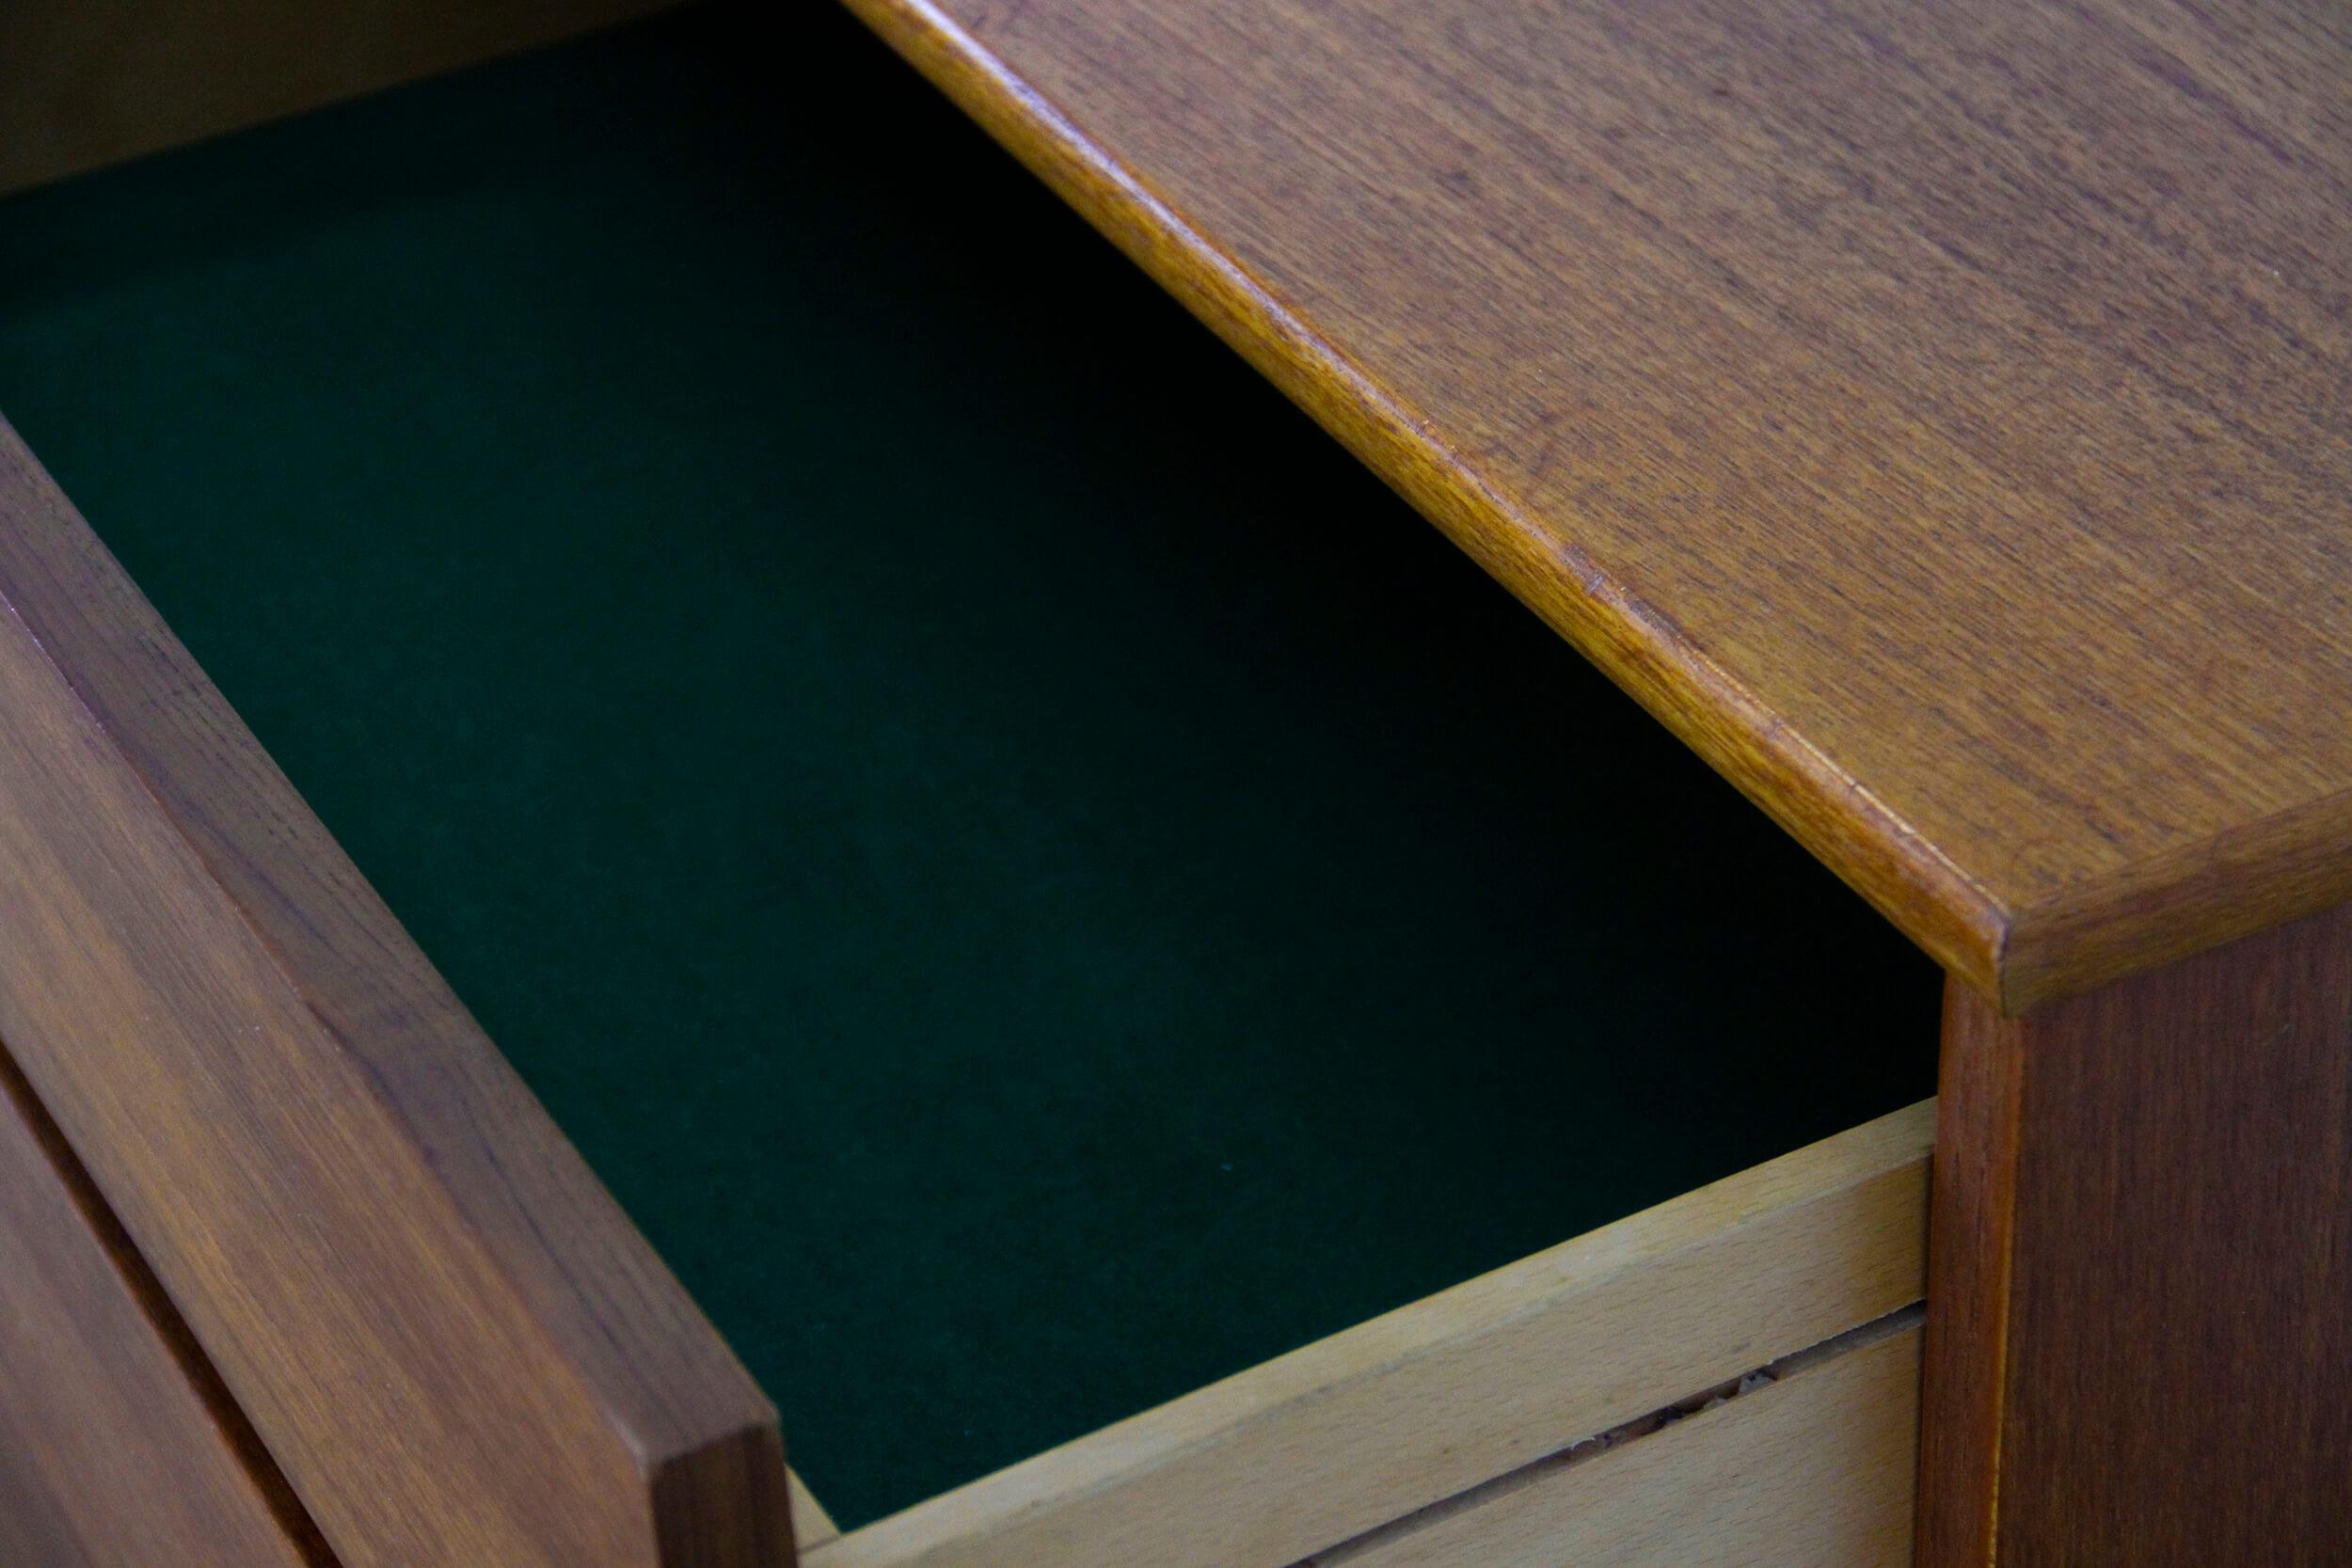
(1032, 882)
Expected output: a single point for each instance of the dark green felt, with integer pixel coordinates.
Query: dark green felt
(1033, 877)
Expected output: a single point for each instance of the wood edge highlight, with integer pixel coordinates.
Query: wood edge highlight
(1934, 901)
(1425, 1402)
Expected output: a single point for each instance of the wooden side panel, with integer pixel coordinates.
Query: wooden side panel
(85, 83)
(452, 1339)
(1346, 1435)
(1811, 1472)
(2144, 1261)
(112, 1455)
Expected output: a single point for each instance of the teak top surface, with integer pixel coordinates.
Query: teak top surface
(1935, 414)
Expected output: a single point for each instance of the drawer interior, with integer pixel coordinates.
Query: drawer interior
(1037, 881)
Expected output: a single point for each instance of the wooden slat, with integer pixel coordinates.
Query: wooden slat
(85, 83)
(1815, 1471)
(1320, 1446)
(454, 1342)
(111, 1454)
(1932, 413)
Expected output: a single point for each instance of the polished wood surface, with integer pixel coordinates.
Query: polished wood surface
(1336, 1440)
(453, 1343)
(1933, 414)
(118, 1449)
(85, 83)
(2140, 1266)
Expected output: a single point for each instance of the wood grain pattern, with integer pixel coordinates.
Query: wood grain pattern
(1933, 415)
(453, 1341)
(1814, 1471)
(2142, 1257)
(85, 83)
(1320, 1446)
(111, 1454)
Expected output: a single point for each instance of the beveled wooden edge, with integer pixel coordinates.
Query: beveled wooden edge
(2137, 915)
(94, 82)
(1814, 1469)
(357, 1207)
(2198, 897)
(118, 1449)
(1346, 1435)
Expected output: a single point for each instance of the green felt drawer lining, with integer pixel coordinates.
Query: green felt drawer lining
(1034, 878)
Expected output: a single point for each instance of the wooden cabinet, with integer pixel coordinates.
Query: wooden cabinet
(1015, 885)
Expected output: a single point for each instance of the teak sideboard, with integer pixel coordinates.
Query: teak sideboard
(1040, 888)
